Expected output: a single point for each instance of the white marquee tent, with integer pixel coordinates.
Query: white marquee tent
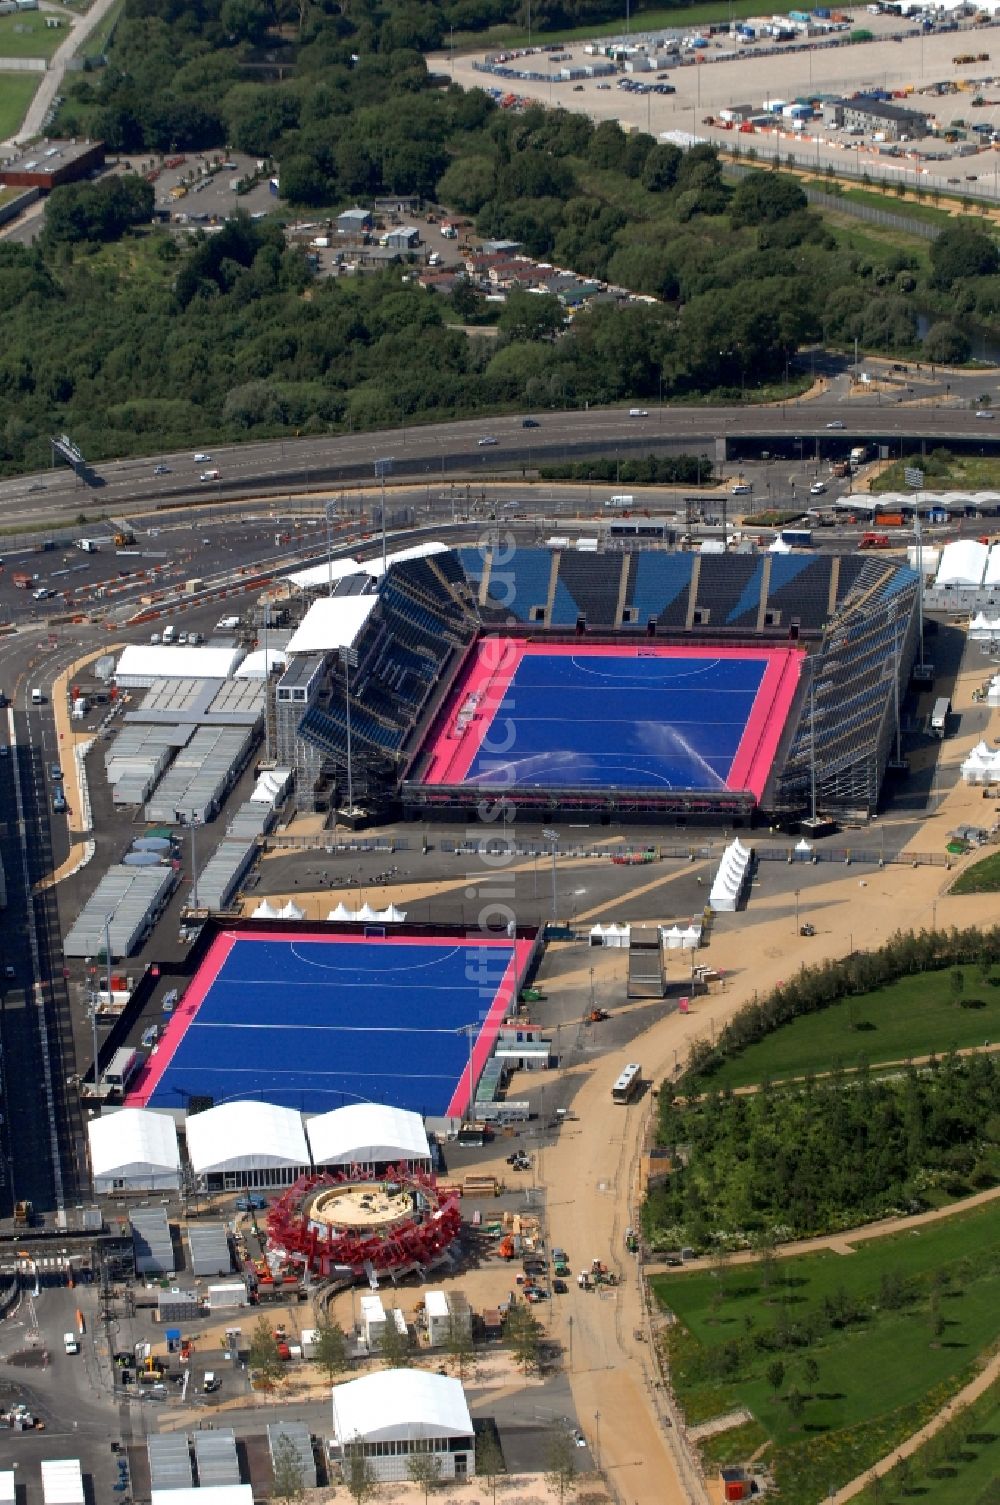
(331, 622)
(142, 663)
(246, 1139)
(390, 916)
(368, 1134)
(962, 565)
(134, 1150)
(730, 878)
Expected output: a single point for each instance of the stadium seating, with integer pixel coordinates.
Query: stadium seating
(725, 588)
(658, 586)
(800, 588)
(590, 589)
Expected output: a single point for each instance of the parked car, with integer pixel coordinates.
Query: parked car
(530, 423)
(835, 423)
(253, 1202)
(984, 413)
(487, 439)
(161, 470)
(817, 488)
(59, 802)
(55, 773)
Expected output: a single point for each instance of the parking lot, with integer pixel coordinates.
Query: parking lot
(200, 188)
(899, 58)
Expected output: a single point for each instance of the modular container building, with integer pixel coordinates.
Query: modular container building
(154, 1250)
(208, 1244)
(133, 898)
(169, 1461)
(297, 1435)
(215, 1454)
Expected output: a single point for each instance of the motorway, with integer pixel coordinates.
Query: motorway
(938, 408)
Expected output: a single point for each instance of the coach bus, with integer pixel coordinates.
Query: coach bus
(628, 1084)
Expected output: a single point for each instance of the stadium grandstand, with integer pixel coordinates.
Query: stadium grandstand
(634, 683)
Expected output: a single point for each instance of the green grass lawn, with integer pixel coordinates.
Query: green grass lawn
(642, 21)
(982, 877)
(908, 208)
(915, 1016)
(975, 473)
(879, 1378)
(17, 90)
(966, 1475)
(26, 35)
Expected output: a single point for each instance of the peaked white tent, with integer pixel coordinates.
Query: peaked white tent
(982, 766)
(291, 911)
(730, 878)
(368, 1134)
(265, 911)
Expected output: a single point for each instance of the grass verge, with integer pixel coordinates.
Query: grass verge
(981, 878)
(641, 21)
(915, 1016)
(871, 1346)
(960, 1466)
(17, 90)
(26, 35)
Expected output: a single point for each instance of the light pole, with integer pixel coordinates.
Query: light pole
(553, 836)
(191, 821)
(797, 892)
(329, 549)
(349, 659)
(383, 468)
(469, 1030)
(267, 685)
(597, 1438)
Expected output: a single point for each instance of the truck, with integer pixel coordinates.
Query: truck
(122, 1068)
(874, 541)
(891, 520)
(169, 633)
(124, 538)
(620, 500)
(88, 545)
(70, 1343)
(209, 475)
(797, 538)
(939, 716)
(858, 455)
(21, 579)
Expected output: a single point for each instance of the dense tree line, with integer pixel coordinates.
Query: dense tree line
(826, 1155)
(663, 470)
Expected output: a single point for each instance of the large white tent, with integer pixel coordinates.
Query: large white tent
(409, 1408)
(373, 567)
(324, 574)
(368, 1134)
(247, 1144)
(134, 1150)
(142, 663)
(963, 564)
(331, 622)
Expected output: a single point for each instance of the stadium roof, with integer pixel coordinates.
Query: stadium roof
(149, 661)
(373, 567)
(133, 1142)
(407, 1403)
(332, 622)
(367, 1133)
(962, 563)
(322, 574)
(244, 1137)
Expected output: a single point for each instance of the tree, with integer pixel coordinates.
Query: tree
(458, 1344)
(489, 1459)
(810, 1372)
(395, 1348)
(423, 1468)
(963, 249)
(264, 1356)
(956, 982)
(796, 1403)
(330, 1350)
(776, 1375)
(289, 1482)
(560, 1471)
(523, 1335)
(359, 1476)
(763, 197)
(946, 344)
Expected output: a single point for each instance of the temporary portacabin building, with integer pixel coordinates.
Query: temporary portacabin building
(169, 1462)
(731, 878)
(133, 1150)
(151, 1241)
(215, 1455)
(388, 1416)
(207, 1494)
(368, 1134)
(208, 1246)
(296, 1436)
(246, 1144)
(131, 898)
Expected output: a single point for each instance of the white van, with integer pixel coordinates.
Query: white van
(70, 1343)
(621, 499)
(741, 488)
(37, 698)
(169, 633)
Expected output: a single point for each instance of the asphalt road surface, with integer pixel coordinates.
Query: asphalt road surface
(454, 448)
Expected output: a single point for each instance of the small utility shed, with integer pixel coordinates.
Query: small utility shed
(169, 1462)
(154, 1250)
(62, 1481)
(208, 1247)
(293, 1437)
